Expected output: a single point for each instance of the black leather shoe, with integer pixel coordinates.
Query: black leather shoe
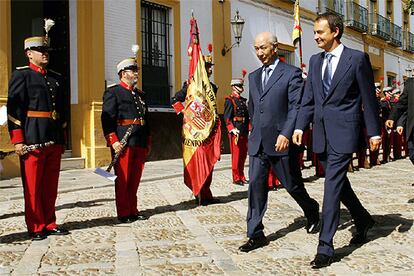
(313, 226)
(38, 236)
(57, 232)
(361, 235)
(138, 217)
(254, 243)
(123, 219)
(245, 181)
(321, 260)
(240, 183)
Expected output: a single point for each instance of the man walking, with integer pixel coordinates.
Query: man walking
(274, 93)
(340, 82)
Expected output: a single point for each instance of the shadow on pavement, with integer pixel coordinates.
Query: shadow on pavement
(297, 224)
(384, 226)
(80, 204)
(190, 204)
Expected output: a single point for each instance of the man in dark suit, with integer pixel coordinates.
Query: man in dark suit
(406, 100)
(274, 92)
(340, 82)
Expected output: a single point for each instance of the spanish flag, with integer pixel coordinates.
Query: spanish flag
(201, 124)
(297, 30)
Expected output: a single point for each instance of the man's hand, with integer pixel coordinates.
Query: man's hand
(374, 144)
(235, 131)
(19, 148)
(297, 138)
(282, 143)
(389, 124)
(400, 130)
(117, 147)
(149, 148)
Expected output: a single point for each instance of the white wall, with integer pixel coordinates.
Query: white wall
(120, 34)
(260, 18)
(203, 13)
(73, 52)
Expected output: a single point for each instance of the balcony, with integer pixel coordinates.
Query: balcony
(396, 38)
(356, 17)
(334, 6)
(408, 42)
(380, 26)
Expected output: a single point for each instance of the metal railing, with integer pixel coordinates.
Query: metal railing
(396, 36)
(379, 26)
(356, 16)
(335, 6)
(408, 42)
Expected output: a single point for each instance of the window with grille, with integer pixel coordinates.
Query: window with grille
(156, 57)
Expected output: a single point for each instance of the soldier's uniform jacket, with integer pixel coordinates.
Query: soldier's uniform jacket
(236, 114)
(121, 105)
(179, 97)
(35, 106)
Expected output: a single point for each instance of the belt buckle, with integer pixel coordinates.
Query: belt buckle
(55, 115)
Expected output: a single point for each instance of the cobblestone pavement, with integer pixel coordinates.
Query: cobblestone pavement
(181, 238)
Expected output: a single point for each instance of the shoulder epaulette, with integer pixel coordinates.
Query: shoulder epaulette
(22, 67)
(54, 72)
(112, 85)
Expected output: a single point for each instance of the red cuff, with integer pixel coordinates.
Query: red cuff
(229, 125)
(178, 107)
(17, 136)
(111, 138)
(250, 126)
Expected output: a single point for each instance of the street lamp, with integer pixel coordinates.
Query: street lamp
(237, 24)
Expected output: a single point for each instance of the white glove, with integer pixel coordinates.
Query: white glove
(235, 131)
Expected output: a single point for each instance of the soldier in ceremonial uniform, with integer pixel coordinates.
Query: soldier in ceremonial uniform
(177, 103)
(236, 116)
(123, 107)
(35, 108)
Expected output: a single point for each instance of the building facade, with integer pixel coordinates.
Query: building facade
(91, 36)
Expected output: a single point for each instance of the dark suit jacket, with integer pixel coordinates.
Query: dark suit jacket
(405, 103)
(337, 117)
(273, 111)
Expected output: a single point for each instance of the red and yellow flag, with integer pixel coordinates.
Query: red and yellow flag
(201, 124)
(297, 30)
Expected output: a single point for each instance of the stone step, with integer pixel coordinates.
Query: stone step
(71, 163)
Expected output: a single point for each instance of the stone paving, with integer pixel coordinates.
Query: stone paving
(181, 238)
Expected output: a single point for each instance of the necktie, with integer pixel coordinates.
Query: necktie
(327, 75)
(266, 76)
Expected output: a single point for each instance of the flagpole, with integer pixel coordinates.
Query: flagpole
(300, 53)
(300, 42)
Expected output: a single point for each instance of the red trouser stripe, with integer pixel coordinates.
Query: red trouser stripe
(238, 156)
(129, 171)
(40, 174)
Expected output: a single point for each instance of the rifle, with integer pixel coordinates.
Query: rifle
(26, 149)
(106, 173)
